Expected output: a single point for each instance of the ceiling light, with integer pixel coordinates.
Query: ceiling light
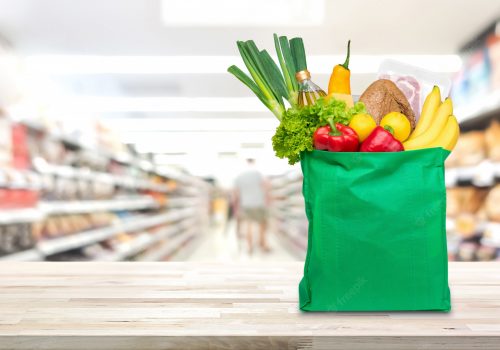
(218, 13)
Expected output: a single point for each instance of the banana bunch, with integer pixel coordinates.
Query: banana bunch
(437, 126)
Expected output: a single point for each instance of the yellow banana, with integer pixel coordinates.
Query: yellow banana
(431, 104)
(438, 122)
(448, 136)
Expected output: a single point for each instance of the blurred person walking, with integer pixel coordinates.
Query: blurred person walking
(250, 195)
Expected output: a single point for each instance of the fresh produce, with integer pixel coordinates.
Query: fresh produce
(309, 92)
(339, 86)
(382, 121)
(383, 97)
(431, 104)
(287, 64)
(399, 123)
(363, 124)
(381, 140)
(437, 124)
(340, 80)
(335, 138)
(295, 132)
(270, 84)
(448, 137)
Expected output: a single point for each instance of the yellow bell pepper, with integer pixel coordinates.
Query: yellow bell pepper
(340, 80)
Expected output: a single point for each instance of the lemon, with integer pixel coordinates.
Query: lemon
(363, 124)
(399, 123)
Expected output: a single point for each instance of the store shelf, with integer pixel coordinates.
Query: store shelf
(288, 212)
(72, 141)
(145, 240)
(57, 245)
(123, 158)
(91, 206)
(296, 245)
(491, 234)
(177, 202)
(85, 174)
(483, 174)
(477, 113)
(13, 216)
(19, 179)
(170, 246)
(84, 156)
(27, 255)
(290, 188)
(489, 230)
(286, 179)
(142, 242)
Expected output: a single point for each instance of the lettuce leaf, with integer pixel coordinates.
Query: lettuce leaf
(295, 132)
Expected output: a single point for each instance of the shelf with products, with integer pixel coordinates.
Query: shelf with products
(476, 87)
(66, 189)
(26, 255)
(70, 140)
(287, 214)
(168, 223)
(294, 238)
(146, 240)
(170, 247)
(92, 206)
(84, 174)
(473, 194)
(25, 215)
(485, 174)
(122, 157)
(473, 169)
(177, 202)
(135, 223)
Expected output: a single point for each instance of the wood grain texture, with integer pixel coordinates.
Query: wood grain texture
(232, 306)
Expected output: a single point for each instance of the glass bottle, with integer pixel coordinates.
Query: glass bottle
(309, 92)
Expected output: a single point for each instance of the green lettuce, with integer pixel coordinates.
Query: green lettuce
(295, 132)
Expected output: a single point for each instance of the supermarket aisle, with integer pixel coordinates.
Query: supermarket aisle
(223, 244)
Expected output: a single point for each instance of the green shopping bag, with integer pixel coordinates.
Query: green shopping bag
(377, 236)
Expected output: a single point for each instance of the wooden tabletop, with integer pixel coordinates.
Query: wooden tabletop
(117, 306)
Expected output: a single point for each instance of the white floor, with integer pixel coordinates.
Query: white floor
(223, 244)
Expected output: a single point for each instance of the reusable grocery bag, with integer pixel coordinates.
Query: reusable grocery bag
(377, 236)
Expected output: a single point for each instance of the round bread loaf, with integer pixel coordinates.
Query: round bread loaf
(383, 97)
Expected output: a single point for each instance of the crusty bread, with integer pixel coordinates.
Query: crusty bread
(383, 97)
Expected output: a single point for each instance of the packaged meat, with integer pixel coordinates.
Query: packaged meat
(410, 88)
(414, 82)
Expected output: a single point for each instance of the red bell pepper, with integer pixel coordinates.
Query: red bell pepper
(381, 140)
(336, 138)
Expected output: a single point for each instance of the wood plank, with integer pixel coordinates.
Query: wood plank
(176, 305)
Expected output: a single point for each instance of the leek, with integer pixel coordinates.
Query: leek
(266, 80)
(287, 65)
(299, 54)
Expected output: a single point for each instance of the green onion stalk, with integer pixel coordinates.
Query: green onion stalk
(266, 80)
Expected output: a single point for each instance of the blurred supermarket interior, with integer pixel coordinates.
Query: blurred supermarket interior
(122, 134)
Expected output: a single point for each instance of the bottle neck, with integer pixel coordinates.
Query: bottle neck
(303, 75)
